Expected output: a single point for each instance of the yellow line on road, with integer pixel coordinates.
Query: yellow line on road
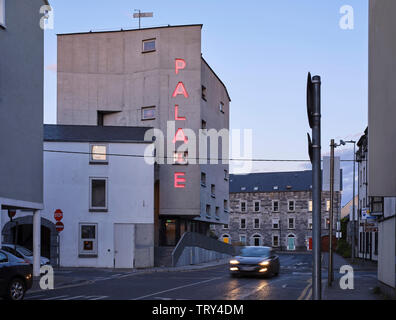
(305, 289)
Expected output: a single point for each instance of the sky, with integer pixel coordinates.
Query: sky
(262, 50)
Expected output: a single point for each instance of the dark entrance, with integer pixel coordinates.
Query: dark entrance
(23, 234)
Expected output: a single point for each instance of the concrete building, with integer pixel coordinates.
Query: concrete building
(154, 77)
(99, 179)
(382, 133)
(21, 112)
(275, 209)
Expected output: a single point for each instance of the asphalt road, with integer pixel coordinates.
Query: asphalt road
(212, 283)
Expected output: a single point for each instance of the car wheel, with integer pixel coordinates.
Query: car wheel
(16, 290)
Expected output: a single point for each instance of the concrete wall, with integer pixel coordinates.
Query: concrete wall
(21, 104)
(130, 200)
(196, 255)
(108, 72)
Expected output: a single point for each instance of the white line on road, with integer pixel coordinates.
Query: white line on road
(72, 298)
(177, 288)
(54, 298)
(99, 298)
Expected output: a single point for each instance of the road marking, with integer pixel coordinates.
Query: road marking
(177, 288)
(305, 290)
(72, 298)
(34, 297)
(99, 298)
(54, 298)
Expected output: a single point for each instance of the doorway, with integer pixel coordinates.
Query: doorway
(291, 242)
(124, 245)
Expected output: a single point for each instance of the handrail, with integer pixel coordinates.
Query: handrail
(193, 239)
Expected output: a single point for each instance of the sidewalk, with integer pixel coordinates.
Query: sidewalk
(364, 281)
(70, 277)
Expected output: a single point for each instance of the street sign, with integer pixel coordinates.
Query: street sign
(59, 226)
(11, 213)
(143, 15)
(366, 214)
(58, 215)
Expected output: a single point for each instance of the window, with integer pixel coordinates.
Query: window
(88, 240)
(275, 240)
(180, 157)
(327, 223)
(213, 191)
(98, 194)
(3, 257)
(98, 154)
(149, 45)
(225, 226)
(310, 205)
(256, 224)
(327, 205)
(290, 205)
(213, 227)
(225, 205)
(275, 206)
(376, 243)
(243, 224)
(204, 93)
(226, 238)
(310, 224)
(208, 210)
(275, 223)
(377, 204)
(148, 113)
(243, 206)
(217, 212)
(203, 179)
(256, 206)
(221, 107)
(242, 239)
(291, 223)
(226, 175)
(203, 124)
(2, 13)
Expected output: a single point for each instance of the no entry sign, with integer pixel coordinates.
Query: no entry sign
(58, 215)
(59, 226)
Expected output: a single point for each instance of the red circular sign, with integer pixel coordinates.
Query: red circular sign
(11, 213)
(58, 215)
(59, 226)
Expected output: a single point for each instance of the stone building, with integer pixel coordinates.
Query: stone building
(275, 209)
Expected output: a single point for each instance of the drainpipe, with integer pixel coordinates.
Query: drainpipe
(36, 243)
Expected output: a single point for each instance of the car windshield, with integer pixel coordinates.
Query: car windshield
(255, 252)
(25, 252)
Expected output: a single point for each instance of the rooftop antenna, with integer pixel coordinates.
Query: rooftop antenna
(140, 15)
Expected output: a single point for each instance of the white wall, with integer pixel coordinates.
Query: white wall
(66, 181)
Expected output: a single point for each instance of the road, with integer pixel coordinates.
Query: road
(212, 283)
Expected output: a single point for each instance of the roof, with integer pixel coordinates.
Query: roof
(271, 181)
(124, 30)
(218, 78)
(76, 133)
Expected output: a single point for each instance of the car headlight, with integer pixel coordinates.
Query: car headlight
(234, 261)
(264, 263)
(28, 276)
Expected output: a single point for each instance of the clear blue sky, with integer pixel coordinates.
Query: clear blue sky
(262, 50)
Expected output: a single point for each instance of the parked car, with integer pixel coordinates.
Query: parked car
(16, 276)
(255, 260)
(23, 253)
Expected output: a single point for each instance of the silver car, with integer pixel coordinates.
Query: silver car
(23, 253)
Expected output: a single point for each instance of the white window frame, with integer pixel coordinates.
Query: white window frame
(98, 209)
(288, 205)
(81, 250)
(91, 153)
(276, 221)
(254, 223)
(309, 224)
(259, 205)
(240, 205)
(273, 243)
(273, 206)
(288, 223)
(224, 226)
(2, 13)
(149, 40)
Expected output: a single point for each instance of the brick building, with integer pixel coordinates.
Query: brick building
(274, 209)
